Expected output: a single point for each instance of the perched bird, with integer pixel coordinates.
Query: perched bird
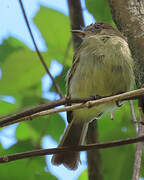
(102, 66)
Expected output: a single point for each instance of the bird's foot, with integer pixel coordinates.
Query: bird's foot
(118, 104)
(96, 97)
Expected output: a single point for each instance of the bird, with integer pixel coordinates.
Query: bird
(102, 65)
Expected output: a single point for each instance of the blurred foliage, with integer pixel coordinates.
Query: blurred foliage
(61, 80)
(55, 29)
(100, 10)
(84, 175)
(21, 78)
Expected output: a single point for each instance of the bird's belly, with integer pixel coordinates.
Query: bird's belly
(105, 69)
(92, 79)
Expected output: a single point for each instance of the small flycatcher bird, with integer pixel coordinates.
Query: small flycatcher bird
(102, 66)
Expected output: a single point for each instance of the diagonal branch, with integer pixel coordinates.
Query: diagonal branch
(46, 109)
(42, 152)
(37, 50)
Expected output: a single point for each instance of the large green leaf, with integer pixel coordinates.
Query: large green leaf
(34, 130)
(55, 29)
(21, 69)
(25, 132)
(118, 162)
(100, 10)
(6, 107)
(9, 46)
(49, 125)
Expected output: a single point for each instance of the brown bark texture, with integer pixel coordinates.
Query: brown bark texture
(129, 18)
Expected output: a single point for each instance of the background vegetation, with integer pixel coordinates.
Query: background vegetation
(21, 79)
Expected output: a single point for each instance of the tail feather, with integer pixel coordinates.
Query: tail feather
(73, 135)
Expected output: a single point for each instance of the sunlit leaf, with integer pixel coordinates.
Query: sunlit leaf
(100, 10)
(49, 125)
(25, 132)
(20, 70)
(55, 29)
(6, 107)
(84, 175)
(9, 46)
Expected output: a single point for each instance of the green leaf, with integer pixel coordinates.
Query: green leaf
(55, 29)
(61, 80)
(55, 126)
(25, 132)
(44, 176)
(118, 162)
(100, 10)
(9, 46)
(6, 107)
(84, 175)
(120, 127)
(49, 125)
(21, 69)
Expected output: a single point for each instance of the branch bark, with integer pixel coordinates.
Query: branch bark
(76, 19)
(128, 16)
(139, 148)
(42, 152)
(39, 110)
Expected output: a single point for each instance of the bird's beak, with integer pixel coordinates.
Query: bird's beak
(80, 33)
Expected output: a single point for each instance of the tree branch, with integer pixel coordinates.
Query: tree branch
(129, 18)
(39, 110)
(37, 50)
(134, 120)
(139, 148)
(42, 152)
(76, 19)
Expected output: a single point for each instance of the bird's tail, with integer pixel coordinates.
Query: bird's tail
(73, 136)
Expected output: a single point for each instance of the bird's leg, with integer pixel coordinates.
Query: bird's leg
(96, 97)
(118, 104)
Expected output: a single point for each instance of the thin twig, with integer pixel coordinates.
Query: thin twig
(42, 152)
(93, 103)
(37, 50)
(76, 20)
(39, 111)
(134, 120)
(139, 147)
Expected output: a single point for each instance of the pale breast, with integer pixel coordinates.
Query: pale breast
(104, 68)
